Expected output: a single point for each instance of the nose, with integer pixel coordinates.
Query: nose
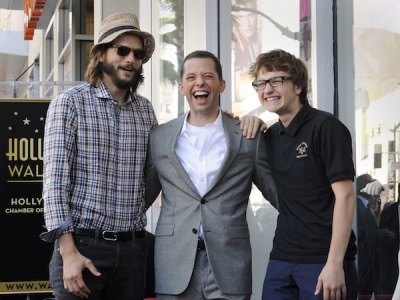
(131, 57)
(199, 80)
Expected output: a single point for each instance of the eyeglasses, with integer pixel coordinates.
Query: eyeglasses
(259, 85)
(125, 51)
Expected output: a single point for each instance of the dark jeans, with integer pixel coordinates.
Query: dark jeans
(122, 267)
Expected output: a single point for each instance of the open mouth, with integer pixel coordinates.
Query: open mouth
(199, 95)
(269, 99)
(126, 69)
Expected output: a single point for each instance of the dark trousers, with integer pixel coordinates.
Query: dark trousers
(122, 267)
(290, 281)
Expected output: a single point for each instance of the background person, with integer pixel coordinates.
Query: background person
(367, 234)
(388, 249)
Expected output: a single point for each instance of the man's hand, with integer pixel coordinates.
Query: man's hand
(73, 264)
(331, 282)
(250, 125)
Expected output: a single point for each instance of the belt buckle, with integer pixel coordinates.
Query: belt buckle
(113, 234)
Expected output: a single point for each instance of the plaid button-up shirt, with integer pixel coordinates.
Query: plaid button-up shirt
(94, 159)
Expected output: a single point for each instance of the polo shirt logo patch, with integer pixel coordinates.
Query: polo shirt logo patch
(302, 150)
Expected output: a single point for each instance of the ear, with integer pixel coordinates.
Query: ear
(297, 89)
(102, 57)
(181, 88)
(223, 86)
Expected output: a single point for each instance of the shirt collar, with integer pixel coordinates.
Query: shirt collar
(102, 92)
(297, 121)
(363, 200)
(217, 123)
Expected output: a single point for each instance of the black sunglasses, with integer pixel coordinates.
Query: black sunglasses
(124, 51)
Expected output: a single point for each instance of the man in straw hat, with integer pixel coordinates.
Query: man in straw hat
(95, 147)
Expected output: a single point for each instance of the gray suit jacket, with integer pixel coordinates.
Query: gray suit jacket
(221, 211)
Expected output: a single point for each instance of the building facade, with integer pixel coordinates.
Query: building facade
(352, 49)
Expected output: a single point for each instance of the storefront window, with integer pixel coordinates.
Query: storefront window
(377, 95)
(260, 26)
(170, 22)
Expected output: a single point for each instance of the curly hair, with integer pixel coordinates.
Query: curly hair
(280, 60)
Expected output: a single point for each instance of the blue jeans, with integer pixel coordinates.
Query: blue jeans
(290, 281)
(122, 267)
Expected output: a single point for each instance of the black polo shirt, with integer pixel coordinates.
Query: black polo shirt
(314, 151)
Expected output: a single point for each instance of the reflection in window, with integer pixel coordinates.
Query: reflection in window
(377, 93)
(260, 26)
(171, 29)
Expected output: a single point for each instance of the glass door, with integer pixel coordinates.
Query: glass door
(376, 40)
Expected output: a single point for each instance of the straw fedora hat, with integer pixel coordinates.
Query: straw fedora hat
(116, 24)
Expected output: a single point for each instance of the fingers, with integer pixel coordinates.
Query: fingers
(247, 125)
(318, 287)
(74, 283)
(250, 126)
(343, 294)
(331, 293)
(92, 268)
(335, 294)
(76, 286)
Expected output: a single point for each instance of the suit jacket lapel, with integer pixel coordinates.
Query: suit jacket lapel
(233, 137)
(171, 142)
